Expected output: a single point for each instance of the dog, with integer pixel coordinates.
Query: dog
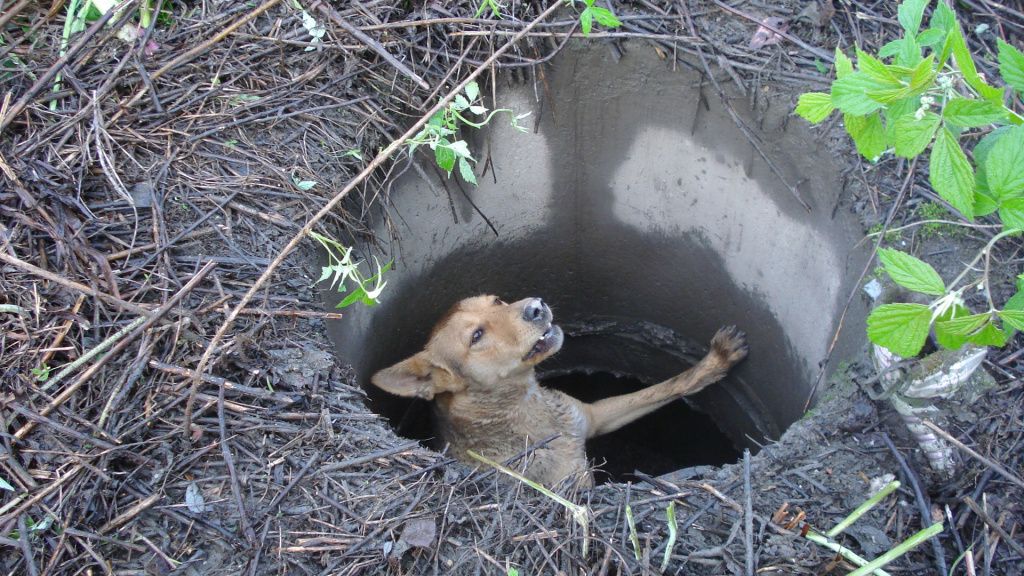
(478, 367)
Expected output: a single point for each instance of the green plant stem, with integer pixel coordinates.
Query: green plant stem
(99, 348)
(633, 538)
(899, 550)
(854, 558)
(984, 253)
(673, 531)
(579, 513)
(863, 508)
(923, 222)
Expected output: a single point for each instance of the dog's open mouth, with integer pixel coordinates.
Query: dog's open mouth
(550, 341)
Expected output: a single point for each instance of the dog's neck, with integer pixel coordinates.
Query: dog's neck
(493, 403)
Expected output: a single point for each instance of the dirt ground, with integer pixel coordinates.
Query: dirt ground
(149, 189)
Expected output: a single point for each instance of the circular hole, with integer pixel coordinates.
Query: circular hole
(647, 219)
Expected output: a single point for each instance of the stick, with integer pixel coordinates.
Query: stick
(372, 44)
(994, 466)
(329, 207)
(994, 525)
(92, 370)
(47, 275)
(748, 515)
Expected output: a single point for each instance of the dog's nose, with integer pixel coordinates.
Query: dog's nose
(535, 311)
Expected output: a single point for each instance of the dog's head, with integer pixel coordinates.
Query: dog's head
(480, 343)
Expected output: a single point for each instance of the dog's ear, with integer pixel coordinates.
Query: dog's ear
(417, 376)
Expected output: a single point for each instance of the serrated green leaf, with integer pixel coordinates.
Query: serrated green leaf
(844, 66)
(1004, 164)
(460, 103)
(876, 69)
(1011, 212)
(891, 49)
(902, 328)
(472, 91)
(944, 338)
(971, 113)
(605, 17)
(814, 106)
(869, 136)
(1011, 65)
(356, 295)
(923, 75)
(461, 149)
(963, 325)
(1016, 302)
(932, 37)
(850, 93)
(912, 136)
(910, 13)
(910, 52)
(964, 60)
(466, 170)
(943, 18)
(586, 21)
(911, 272)
(444, 156)
(1014, 318)
(951, 174)
(983, 203)
(989, 335)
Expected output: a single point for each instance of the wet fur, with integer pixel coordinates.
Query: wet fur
(487, 398)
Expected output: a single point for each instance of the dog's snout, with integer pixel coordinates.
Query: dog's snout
(536, 311)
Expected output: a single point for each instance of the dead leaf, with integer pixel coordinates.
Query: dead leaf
(765, 37)
(419, 532)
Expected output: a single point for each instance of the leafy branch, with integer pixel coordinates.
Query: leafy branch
(440, 132)
(591, 14)
(923, 91)
(342, 268)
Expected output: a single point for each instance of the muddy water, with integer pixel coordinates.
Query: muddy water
(647, 220)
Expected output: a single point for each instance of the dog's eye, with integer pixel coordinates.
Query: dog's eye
(477, 336)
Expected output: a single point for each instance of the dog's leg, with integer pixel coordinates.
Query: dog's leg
(727, 348)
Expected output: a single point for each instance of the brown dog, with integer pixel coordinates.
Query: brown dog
(478, 367)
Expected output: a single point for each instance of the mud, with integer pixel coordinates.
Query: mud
(647, 219)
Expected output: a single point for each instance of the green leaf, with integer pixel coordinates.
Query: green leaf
(1011, 212)
(304, 184)
(850, 93)
(356, 295)
(460, 103)
(983, 203)
(1004, 164)
(902, 328)
(1016, 302)
(814, 106)
(971, 113)
(910, 52)
(586, 21)
(943, 18)
(932, 37)
(444, 156)
(963, 325)
(461, 149)
(910, 13)
(1011, 65)
(605, 17)
(962, 55)
(943, 337)
(923, 76)
(472, 91)
(891, 48)
(876, 69)
(1014, 318)
(911, 273)
(951, 174)
(990, 335)
(466, 170)
(5, 485)
(912, 136)
(844, 66)
(869, 136)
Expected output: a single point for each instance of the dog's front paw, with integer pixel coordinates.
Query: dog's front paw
(729, 345)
